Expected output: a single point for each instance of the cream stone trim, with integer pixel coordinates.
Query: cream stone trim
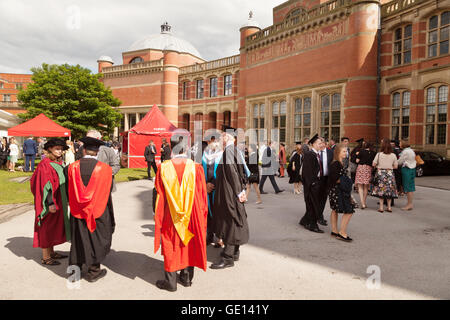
(154, 84)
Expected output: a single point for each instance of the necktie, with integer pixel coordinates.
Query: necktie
(321, 165)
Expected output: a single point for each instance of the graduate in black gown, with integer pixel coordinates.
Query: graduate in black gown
(230, 222)
(92, 214)
(312, 173)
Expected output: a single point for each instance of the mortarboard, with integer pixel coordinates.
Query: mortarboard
(56, 142)
(92, 144)
(314, 138)
(360, 140)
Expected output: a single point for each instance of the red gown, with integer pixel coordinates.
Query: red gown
(50, 229)
(177, 256)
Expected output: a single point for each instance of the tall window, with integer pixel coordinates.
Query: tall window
(227, 118)
(213, 87)
(141, 116)
(1, 85)
(200, 89)
(400, 115)
(302, 118)
(6, 97)
(131, 120)
(402, 45)
(279, 119)
(258, 120)
(228, 85)
(438, 34)
(436, 115)
(330, 116)
(19, 86)
(185, 90)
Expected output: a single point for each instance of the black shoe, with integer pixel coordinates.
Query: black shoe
(91, 278)
(323, 222)
(333, 234)
(303, 223)
(262, 192)
(184, 282)
(279, 191)
(224, 263)
(315, 229)
(164, 285)
(341, 237)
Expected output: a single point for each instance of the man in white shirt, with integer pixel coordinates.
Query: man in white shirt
(326, 156)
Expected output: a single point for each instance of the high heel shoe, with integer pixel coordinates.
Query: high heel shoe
(380, 211)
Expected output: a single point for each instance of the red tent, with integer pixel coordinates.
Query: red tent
(154, 126)
(41, 126)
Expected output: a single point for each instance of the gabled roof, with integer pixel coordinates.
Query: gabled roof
(154, 122)
(40, 126)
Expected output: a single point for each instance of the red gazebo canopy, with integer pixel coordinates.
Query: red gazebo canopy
(40, 126)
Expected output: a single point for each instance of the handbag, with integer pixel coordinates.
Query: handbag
(419, 160)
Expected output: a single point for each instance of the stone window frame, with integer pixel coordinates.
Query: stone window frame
(216, 87)
(279, 117)
(399, 44)
(259, 118)
(185, 92)
(228, 91)
(433, 105)
(6, 97)
(331, 110)
(437, 44)
(301, 114)
(199, 91)
(402, 111)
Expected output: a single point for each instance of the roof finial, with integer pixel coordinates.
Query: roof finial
(165, 27)
(250, 15)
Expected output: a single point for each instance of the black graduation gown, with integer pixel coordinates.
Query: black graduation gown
(91, 248)
(230, 218)
(294, 175)
(311, 188)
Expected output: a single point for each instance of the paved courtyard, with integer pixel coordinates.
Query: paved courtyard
(282, 260)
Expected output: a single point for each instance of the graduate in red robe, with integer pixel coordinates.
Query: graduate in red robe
(48, 185)
(180, 217)
(92, 214)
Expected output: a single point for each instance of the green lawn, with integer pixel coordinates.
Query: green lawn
(15, 192)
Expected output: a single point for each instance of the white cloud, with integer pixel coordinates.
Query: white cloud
(33, 32)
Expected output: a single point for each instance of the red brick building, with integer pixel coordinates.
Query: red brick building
(321, 67)
(10, 85)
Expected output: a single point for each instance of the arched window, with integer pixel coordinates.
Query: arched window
(402, 45)
(228, 85)
(185, 90)
(436, 114)
(136, 60)
(200, 89)
(439, 34)
(302, 118)
(227, 118)
(258, 120)
(213, 87)
(400, 115)
(330, 116)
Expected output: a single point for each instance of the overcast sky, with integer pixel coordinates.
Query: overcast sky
(80, 31)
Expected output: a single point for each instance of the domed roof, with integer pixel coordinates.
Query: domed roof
(164, 41)
(105, 59)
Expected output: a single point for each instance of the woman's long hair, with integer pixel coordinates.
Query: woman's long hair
(386, 147)
(337, 152)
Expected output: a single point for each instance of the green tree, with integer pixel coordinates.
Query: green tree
(71, 96)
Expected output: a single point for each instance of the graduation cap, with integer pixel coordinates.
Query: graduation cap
(314, 138)
(229, 130)
(299, 143)
(92, 144)
(360, 140)
(56, 142)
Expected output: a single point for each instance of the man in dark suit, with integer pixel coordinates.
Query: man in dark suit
(312, 173)
(165, 151)
(149, 154)
(29, 150)
(326, 156)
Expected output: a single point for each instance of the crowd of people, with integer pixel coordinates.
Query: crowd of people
(200, 193)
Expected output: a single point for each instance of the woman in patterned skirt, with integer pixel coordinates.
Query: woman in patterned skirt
(384, 185)
(364, 159)
(340, 188)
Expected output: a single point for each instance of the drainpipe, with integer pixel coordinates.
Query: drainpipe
(377, 123)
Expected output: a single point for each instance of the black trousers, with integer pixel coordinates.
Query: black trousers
(230, 251)
(323, 196)
(272, 180)
(185, 274)
(312, 201)
(150, 165)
